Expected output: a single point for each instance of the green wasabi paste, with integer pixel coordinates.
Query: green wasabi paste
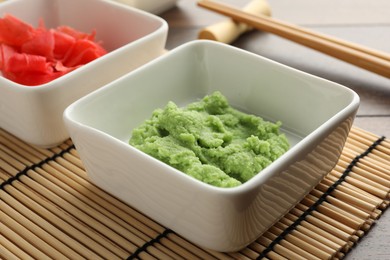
(211, 141)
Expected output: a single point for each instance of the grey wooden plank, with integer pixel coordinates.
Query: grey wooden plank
(303, 12)
(379, 125)
(332, 12)
(375, 244)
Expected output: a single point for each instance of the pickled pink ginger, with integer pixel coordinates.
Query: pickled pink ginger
(34, 56)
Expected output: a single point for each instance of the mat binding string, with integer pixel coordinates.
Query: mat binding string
(24, 172)
(145, 246)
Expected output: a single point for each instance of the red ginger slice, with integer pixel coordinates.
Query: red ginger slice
(82, 52)
(20, 62)
(14, 32)
(62, 44)
(76, 34)
(42, 43)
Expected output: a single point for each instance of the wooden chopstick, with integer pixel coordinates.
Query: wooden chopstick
(363, 57)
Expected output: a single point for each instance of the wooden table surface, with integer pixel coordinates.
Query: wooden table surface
(360, 21)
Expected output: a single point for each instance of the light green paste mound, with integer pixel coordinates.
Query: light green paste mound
(211, 141)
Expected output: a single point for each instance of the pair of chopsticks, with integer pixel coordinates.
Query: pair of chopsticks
(363, 57)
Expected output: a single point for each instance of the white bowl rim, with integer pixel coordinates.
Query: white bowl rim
(256, 180)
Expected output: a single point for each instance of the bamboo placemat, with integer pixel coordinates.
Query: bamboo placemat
(49, 210)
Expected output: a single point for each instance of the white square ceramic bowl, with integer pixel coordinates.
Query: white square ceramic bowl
(132, 38)
(316, 116)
